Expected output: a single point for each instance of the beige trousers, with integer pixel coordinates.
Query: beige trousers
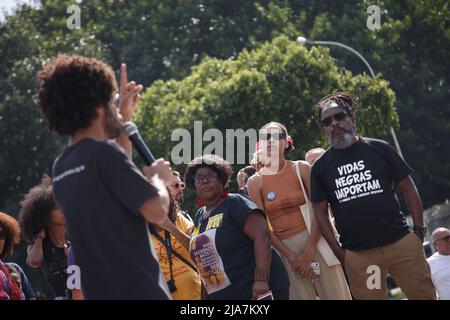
(404, 259)
(331, 285)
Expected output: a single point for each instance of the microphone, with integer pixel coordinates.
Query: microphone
(131, 130)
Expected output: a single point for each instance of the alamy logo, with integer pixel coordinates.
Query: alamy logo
(374, 17)
(74, 20)
(73, 277)
(374, 280)
(182, 151)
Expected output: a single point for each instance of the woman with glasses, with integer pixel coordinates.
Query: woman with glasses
(230, 244)
(282, 188)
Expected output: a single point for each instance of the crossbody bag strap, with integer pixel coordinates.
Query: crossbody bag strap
(167, 244)
(172, 250)
(307, 206)
(179, 256)
(297, 170)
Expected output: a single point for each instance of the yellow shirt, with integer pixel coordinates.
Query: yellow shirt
(187, 281)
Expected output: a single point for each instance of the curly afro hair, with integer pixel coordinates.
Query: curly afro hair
(12, 234)
(36, 208)
(343, 99)
(215, 163)
(71, 89)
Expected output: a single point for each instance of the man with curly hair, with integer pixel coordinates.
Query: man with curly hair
(106, 200)
(356, 176)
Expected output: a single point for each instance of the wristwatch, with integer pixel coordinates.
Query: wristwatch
(421, 229)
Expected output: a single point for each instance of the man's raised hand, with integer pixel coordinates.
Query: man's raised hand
(129, 94)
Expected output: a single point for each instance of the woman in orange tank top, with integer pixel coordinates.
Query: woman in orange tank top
(276, 188)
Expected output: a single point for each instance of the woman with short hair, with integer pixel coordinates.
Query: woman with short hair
(230, 244)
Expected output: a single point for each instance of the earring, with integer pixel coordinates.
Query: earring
(199, 202)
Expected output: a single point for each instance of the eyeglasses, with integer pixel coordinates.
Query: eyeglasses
(210, 177)
(177, 185)
(277, 136)
(338, 117)
(2, 235)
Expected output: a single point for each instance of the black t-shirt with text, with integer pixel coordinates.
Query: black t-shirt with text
(223, 252)
(358, 182)
(100, 191)
(54, 267)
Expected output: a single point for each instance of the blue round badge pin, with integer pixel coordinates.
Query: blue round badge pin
(271, 196)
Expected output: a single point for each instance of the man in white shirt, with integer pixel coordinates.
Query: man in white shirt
(440, 263)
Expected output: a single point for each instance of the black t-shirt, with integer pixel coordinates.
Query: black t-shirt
(100, 191)
(358, 182)
(222, 251)
(54, 267)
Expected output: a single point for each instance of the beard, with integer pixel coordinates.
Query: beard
(343, 141)
(179, 199)
(112, 124)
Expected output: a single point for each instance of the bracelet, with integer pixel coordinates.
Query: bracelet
(261, 274)
(421, 229)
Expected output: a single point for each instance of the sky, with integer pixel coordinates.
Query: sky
(10, 4)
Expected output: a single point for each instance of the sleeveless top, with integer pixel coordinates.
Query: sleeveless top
(282, 197)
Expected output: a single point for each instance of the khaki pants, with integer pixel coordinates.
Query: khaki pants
(331, 285)
(404, 259)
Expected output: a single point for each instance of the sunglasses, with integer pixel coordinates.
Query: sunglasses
(276, 136)
(329, 120)
(177, 185)
(442, 239)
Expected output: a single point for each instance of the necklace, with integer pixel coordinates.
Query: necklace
(270, 172)
(284, 167)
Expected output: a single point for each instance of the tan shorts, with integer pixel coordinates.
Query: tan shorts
(404, 260)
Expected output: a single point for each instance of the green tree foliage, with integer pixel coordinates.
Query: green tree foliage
(411, 52)
(279, 81)
(28, 40)
(437, 216)
(163, 39)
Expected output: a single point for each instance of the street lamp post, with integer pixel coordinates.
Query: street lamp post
(303, 41)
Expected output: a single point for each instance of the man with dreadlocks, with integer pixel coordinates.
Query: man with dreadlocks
(356, 176)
